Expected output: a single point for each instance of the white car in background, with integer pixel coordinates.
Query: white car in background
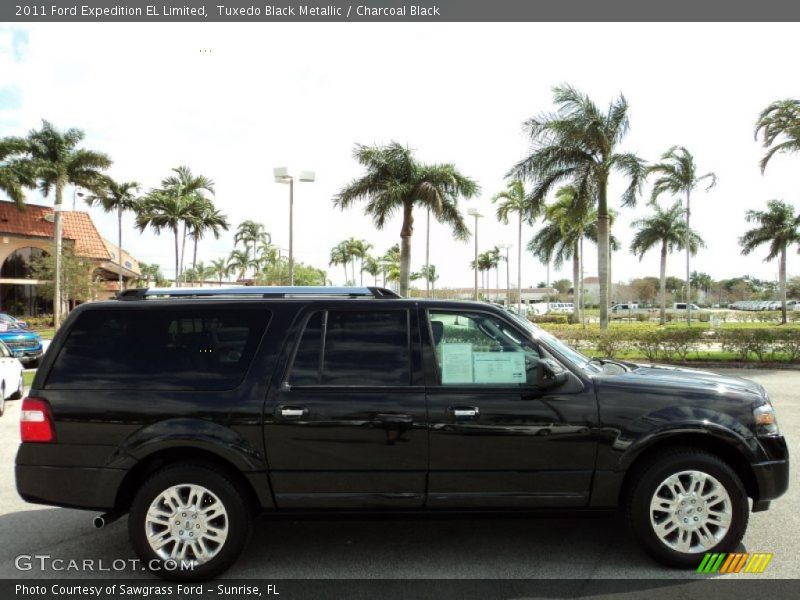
(11, 385)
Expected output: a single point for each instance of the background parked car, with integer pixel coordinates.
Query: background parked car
(11, 385)
(12, 322)
(25, 345)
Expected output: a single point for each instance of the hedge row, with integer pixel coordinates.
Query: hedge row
(763, 344)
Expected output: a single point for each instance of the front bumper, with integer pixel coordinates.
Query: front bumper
(27, 355)
(772, 476)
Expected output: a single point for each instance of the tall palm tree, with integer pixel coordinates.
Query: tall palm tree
(515, 199)
(677, 174)
(205, 218)
(569, 220)
(120, 197)
(779, 126)
(165, 210)
(250, 233)
(395, 181)
(390, 264)
(371, 265)
(15, 174)
(359, 249)
(779, 227)
(190, 188)
(702, 281)
(579, 144)
(57, 161)
(340, 255)
(238, 262)
(667, 230)
(220, 269)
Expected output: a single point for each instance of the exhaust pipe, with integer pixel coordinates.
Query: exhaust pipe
(101, 521)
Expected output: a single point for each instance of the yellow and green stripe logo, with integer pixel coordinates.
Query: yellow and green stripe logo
(734, 562)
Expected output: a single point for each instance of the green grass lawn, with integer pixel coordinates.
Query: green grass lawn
(47, 333)
(27, 377)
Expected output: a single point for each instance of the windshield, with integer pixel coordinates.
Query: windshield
(578, 359)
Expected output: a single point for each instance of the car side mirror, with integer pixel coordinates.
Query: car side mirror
(550, 374)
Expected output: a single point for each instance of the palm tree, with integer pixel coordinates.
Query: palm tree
(516, 200)
(251, 233)
(371, 265)
(15, 175)
(120, 197)
(220, 269)
(340, 255)
(779, 227)
(579, 144)
(55, 159)
(485, 264)
(779, 122)
(390, 264)
(205, 218)
(430, 275)
(150, 272)
(665, 229)
(701, 281)
(569, 220)
(238, 262)
(189, 188)
(359, 249)
(164, 209)
(393, 181)
(678, 175)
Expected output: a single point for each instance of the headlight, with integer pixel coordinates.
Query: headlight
(766, 422)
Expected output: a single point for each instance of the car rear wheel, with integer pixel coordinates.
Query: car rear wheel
(189, 522)
(685, 504)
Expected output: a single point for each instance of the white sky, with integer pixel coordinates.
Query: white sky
(301, 95)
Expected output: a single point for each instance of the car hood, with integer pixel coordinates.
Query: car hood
(666, 375)
(19, 334)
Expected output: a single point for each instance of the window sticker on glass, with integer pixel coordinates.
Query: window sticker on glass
(499, 367)
(456, 363)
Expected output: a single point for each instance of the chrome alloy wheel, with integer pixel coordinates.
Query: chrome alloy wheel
(186, 522)
(691, 511)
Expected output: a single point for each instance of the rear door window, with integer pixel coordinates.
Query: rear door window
(159, 349)
(354, 348)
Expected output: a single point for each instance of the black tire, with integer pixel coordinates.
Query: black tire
(647, 480)
(238, 514)
(18, 394)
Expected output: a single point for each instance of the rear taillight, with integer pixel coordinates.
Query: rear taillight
(36, 421)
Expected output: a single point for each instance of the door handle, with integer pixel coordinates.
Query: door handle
(292, 412)
(464, 412)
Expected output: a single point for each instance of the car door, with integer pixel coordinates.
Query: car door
(498, 439)
(9, 371)
(347, 426)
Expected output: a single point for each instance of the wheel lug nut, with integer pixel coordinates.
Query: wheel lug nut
(685, 521)
(197, 526)
(183, 514)
(181, 532)
(695, 518)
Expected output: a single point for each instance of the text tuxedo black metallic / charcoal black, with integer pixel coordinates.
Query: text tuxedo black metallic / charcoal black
(189, 410)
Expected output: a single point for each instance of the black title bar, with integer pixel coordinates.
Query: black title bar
(143, 11)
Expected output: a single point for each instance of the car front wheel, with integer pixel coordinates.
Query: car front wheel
(189, 522)
(685, 504)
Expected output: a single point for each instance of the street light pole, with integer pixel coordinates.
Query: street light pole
(428, 256)
(477, 216)
(282, 176)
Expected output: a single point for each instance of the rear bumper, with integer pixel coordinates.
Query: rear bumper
(72, 487)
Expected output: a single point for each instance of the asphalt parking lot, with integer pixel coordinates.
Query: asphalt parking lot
(486, 548)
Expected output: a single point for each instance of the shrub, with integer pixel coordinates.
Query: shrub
(649, 344)
(610, 342)
(562, 319)
(748, 341)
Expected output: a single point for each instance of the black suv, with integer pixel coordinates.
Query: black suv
(191, 409)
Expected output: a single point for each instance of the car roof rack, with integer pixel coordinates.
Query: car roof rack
(253, 291)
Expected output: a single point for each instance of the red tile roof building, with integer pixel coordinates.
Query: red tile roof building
(26, 234)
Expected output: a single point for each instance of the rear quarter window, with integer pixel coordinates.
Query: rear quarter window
(159, 349)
